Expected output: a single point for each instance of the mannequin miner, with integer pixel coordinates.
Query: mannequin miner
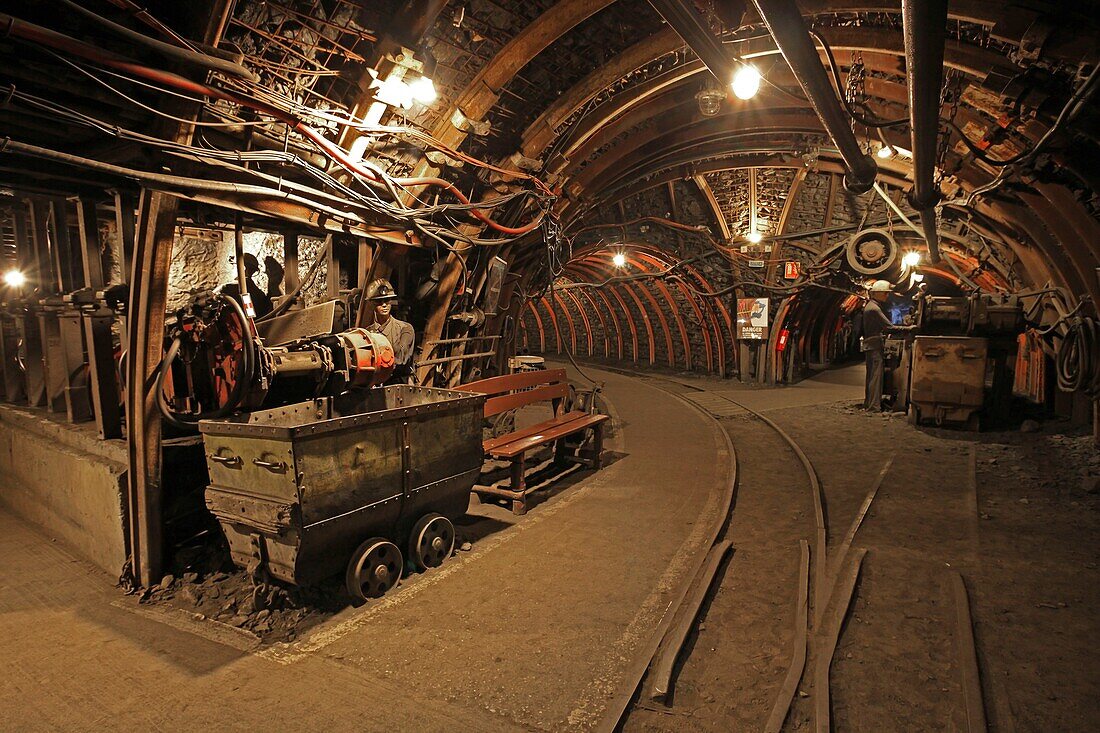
(400, 334)
(875, 326)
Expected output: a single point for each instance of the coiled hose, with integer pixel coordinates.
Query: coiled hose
(1077, 360)
(243, 377)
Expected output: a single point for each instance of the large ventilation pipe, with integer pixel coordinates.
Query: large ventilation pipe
(688, 24)
(925, 29)
(785, 23)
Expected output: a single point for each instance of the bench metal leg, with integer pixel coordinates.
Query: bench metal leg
(519, 485)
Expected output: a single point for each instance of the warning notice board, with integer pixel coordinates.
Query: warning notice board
(752, 318)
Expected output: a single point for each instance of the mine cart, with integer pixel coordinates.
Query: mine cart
(947, 379)
(341, 483)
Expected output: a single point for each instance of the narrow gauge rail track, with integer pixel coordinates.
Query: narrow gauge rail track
(816, 633)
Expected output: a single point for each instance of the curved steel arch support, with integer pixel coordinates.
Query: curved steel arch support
(595, 275)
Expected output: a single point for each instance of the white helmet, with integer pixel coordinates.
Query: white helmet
(881, 286)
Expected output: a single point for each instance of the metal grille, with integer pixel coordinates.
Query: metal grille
(561, 65)
(312, 51)
(462, 52)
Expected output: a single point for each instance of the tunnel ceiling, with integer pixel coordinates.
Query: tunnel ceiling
(597, 99)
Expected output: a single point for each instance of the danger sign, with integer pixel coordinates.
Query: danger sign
(752, 318)
(792, 270)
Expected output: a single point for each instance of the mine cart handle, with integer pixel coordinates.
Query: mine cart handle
(277, 466)
(231, 461)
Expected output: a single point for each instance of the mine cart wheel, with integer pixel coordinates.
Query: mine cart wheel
(432, 541)
(374, 568)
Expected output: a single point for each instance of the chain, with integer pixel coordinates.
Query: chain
(952, 89)
(855, 91)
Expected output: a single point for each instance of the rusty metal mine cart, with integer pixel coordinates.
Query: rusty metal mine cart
(948, 378)
(341, 483)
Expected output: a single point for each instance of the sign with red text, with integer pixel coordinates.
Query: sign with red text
(752, 318)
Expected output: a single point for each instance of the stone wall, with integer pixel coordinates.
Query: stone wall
(66, 481)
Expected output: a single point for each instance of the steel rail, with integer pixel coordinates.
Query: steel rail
(967, 657)
(673, 643)
(619, 704)
(826, 646)
(782, 706)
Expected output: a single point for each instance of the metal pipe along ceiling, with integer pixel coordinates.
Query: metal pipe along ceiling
(784, 22)
(689, 26)
(925, 29)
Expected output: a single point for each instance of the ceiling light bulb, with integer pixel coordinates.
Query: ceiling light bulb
(911, 259)
(746, 82)
(754, 237)
(14, 278)
(619, 259)
(423, 90)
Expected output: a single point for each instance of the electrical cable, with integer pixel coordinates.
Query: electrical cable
(1077, 358)
(183, 55)
(1073, 106)
(37, 34)
(865, 121)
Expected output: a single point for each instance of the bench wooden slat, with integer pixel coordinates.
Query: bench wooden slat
(493, 443)
(559, 431)
(509, 382)
(515, 400)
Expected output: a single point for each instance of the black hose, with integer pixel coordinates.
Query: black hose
(242, 381)
(1077, 359)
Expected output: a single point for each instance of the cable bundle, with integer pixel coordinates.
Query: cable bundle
(1077, 360)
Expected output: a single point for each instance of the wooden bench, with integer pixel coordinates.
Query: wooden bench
(512, 391)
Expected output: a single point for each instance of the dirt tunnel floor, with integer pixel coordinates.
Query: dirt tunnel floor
(1026, 543)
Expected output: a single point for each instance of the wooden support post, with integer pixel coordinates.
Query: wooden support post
(99, 344)
(332, 270)
(291, 277)
(155, 232)
(14, 389)
(124, 229)
(78, 406)
(90, 248)
(441, 303)
(366, 265)
(37, 262)
(14, 381)
(33, 360)
(145, 345)
(66, 264)
(53, 360)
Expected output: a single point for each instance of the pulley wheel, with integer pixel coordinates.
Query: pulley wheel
(374, 568)
(871, 251)
(432, 541)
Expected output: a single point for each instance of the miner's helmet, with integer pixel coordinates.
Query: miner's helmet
(881, 286)
(380, 290)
